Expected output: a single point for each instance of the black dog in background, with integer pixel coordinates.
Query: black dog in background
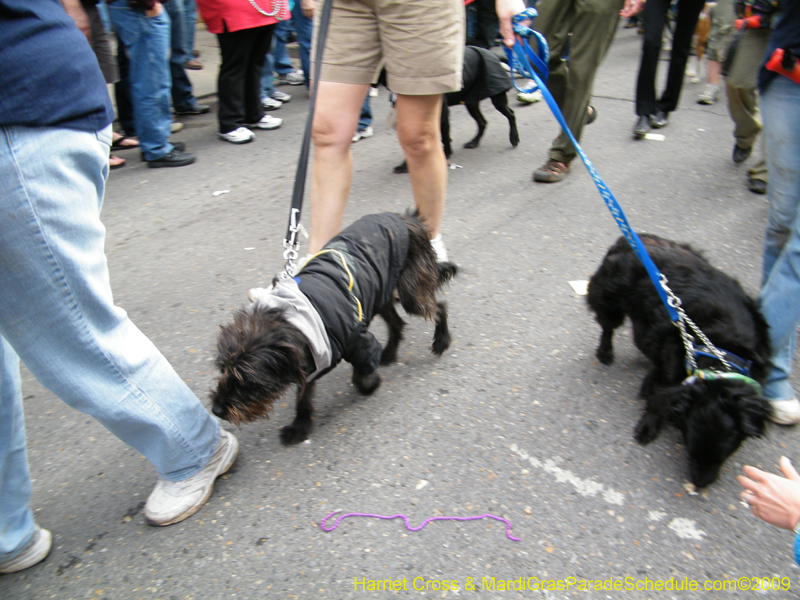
(299, 329)
(717, 414)
(483, 77)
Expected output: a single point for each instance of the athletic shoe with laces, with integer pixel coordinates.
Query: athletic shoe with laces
(280, 96)
(269, 103)
(268, 122)
(364, 133)
(34, 553)
(709, 94)
(551, 172)
(174, 501)
(786, 412)
(293, 78)
(530, 97)
(241, 135)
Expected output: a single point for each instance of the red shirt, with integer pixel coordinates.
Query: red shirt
(234, 15)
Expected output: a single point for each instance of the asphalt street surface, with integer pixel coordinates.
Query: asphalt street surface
(518, 419)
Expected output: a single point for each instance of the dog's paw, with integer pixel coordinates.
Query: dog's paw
(647, 429)
(366, 384)
(388, 356)
(294, 434)
(514, 139)
(605, 355)
(440, 344)
(472, 144)
(400, 169)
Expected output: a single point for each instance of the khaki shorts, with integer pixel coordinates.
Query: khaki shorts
(421, 43)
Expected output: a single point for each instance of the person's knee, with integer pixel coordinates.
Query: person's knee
(420, 143)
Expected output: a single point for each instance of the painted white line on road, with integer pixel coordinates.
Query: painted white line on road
(585, 487)
(683, 528)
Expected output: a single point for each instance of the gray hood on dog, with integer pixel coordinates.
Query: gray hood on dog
(286, 295)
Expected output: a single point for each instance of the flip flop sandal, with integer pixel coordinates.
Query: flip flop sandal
(118, 165)
(592, 117)
(120, 145)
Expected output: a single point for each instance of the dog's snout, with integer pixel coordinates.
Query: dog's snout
(219, 412)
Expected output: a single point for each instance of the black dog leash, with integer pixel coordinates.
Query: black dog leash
(291, 244)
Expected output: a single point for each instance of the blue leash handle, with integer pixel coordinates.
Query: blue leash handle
(524, 56)
(522, 52)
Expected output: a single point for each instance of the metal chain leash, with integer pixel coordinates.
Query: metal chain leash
(276, 10)
(688, 340)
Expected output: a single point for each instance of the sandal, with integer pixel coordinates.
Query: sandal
(591, 115)
(115, 162)
(123, 143)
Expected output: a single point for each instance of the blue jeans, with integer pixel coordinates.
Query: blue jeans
(147, 45)
(780, 290)
(303, 27)
(365, 118)
(268, 72)
(190, 19)
(283, 62)
(57, 313)
(182, 96)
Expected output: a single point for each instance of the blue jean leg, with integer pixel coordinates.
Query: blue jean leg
(780, 292)
(268, 72)
(147, 44)
(303, 27)
(182, 96)
(57, 313)
(283, 62)
(190, 19)
(365, 118)
(16, 519)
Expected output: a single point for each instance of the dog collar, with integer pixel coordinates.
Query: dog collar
(740, 364)
(709, 375)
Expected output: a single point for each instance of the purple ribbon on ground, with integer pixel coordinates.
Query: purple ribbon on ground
(410, 527)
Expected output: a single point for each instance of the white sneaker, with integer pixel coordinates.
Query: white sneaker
(281, 96)
(34, 553)
(373, 92)
(364, 133)
(709, 94)
(293, 78)
(438, 247)
(530, 98)
(268, 122)
(786, 412)
(174, 501)
(175, 127)
(242, 135)
(270, 103)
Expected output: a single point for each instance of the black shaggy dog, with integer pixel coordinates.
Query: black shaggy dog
(715, 415)
(483, 77)
(299, 329)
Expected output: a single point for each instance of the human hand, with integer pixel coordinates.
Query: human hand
(75, 10)
(307, 6)
(772, 498)
(155, 11)
(506, 9)
(631, 8)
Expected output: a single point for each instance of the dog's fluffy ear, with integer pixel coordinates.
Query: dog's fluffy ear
(753, 413)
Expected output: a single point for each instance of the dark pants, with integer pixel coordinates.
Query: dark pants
(239, 82)
(655, 17)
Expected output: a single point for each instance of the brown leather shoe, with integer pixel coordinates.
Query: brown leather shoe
(193, 64)
(551, 172)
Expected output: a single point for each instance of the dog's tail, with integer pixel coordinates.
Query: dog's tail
(447, 271)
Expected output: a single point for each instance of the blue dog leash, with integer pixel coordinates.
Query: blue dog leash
(524, 56)
(529, 62)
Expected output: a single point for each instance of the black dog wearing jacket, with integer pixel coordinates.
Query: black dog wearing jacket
(299, 329)
(483, 77)
(715, 414)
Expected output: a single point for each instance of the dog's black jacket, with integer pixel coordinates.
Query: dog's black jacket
(375, 259)
(483, 77)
